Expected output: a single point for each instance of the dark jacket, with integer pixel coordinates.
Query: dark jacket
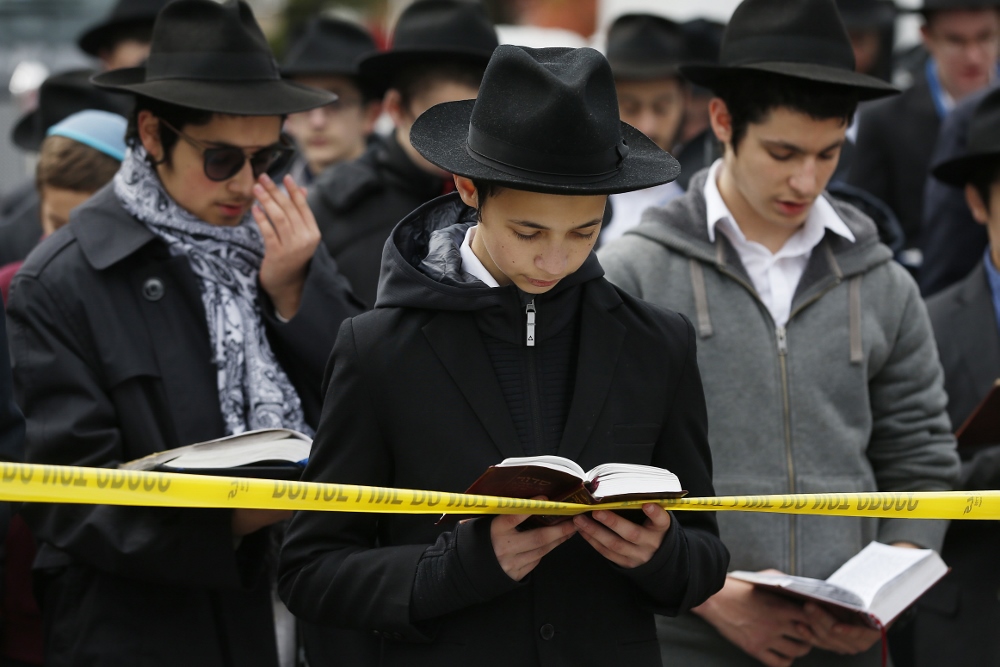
(893, 153)
(20, 223)
(413, 401)
(357, 204)
(112, 361)
(957, 619)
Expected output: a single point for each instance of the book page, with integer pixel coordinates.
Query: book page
(545, 461)
(875, 566)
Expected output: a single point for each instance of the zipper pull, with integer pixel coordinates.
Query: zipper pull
(530, 311)
(782, 341)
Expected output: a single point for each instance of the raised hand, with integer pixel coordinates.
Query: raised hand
(624, 542)
(291, 237)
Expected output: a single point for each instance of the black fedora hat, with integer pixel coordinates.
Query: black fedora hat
(62, 95)
(546, 120)
(945, 5)
(643, 46)
(124, 15)
(434, 30)
(214, 57)
(983, 143)
(802, 39)
(329, 46)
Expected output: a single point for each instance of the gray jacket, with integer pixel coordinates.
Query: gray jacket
(847, 397)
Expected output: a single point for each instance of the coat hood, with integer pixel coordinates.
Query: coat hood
(422, 268)
(681, 226)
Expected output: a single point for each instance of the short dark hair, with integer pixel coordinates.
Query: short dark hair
(485, 190)
(178, 116)
(751, 96)
(983, 179)
(414, 79)
(67, 164)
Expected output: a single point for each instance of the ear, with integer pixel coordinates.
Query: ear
(372, 112)
(392, 103)
(722, 122)
(978, 208)
(925, 36)
(467, 191)
(149, 134)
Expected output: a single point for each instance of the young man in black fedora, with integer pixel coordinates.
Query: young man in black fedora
(496, 335)
(60, 96)
(171, 310)
(326, 57)
(818, 360)
(896, 137)
(645, 52)
(122, 38)
(439, 51)
(957, 620)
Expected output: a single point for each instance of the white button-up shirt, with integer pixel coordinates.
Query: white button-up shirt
(775, 276)
(471, 263)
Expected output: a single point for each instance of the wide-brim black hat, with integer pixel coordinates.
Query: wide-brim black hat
(546, 120)
(983, 142)
(125, 14)
(801, 39)
(62, 95)
(644, 46)
(213, 57)
(428, 30)
(329, 47)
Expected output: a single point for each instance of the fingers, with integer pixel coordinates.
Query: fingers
(828, 633)
(519, 552)
(621, 541)
(289, 212)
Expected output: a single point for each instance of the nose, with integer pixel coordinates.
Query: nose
(647, 122)
(805, 182)
(553, 261)
(242, 183)
(317, 117)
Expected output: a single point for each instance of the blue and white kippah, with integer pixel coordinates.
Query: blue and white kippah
(101, 130)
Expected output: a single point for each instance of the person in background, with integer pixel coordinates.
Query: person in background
(174, 309)
(439, 51)
(957, 620)
(645, 52)
(79, 156)
(60, 95)
(122, 38)
(818, 360)
(697, 147)
(896, 137)
(871, 25)
(326, 57)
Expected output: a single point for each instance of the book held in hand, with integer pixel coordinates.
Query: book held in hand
(562, 480)
(274, 453)
(982, 427)
(873, 588)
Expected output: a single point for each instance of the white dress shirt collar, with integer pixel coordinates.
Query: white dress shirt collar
(471, 263)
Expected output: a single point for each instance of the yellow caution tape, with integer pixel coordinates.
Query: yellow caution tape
(107, 486)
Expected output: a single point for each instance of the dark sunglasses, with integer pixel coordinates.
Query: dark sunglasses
(223, 162)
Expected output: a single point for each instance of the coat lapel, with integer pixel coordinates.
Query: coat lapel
(601, 339)
(980, 340)
(456, 341)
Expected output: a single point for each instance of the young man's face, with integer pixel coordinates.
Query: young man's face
(56, 204)
(987, 215)
(533, 240)
(335, 132)
(777, 171)
(965, 43)
(403, 116)
(655, 107)
(223, 203)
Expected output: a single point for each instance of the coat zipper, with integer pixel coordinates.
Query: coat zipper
(533, 398)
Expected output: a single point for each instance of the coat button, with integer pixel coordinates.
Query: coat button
(153, 289)
(547, 631)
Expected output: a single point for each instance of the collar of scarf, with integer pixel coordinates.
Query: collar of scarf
(254, 391)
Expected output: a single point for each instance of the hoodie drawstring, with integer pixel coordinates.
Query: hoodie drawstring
(854, 317)
(700, 299)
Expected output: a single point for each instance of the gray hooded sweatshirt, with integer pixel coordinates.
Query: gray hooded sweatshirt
(847, 397)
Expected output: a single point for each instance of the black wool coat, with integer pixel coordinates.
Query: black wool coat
(957, 619)
(893, 153)
(413, 401)
(112, 361)
(358, 203)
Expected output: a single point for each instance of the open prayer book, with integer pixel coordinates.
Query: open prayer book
(274, 453)
(873, 588)
(561, 479)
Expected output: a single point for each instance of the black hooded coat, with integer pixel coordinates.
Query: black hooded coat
(436, 384)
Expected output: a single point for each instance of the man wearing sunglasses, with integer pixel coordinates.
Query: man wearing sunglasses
(187, 300)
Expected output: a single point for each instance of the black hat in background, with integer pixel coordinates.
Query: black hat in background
(703, 40)
(329, 46)
(62, 95)
(867, 14)
(945, 5)
(644, 46)
(214, 57)
(546, 120)
(983, 143)
(126, 14)
(452, 30)
(802, 39)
